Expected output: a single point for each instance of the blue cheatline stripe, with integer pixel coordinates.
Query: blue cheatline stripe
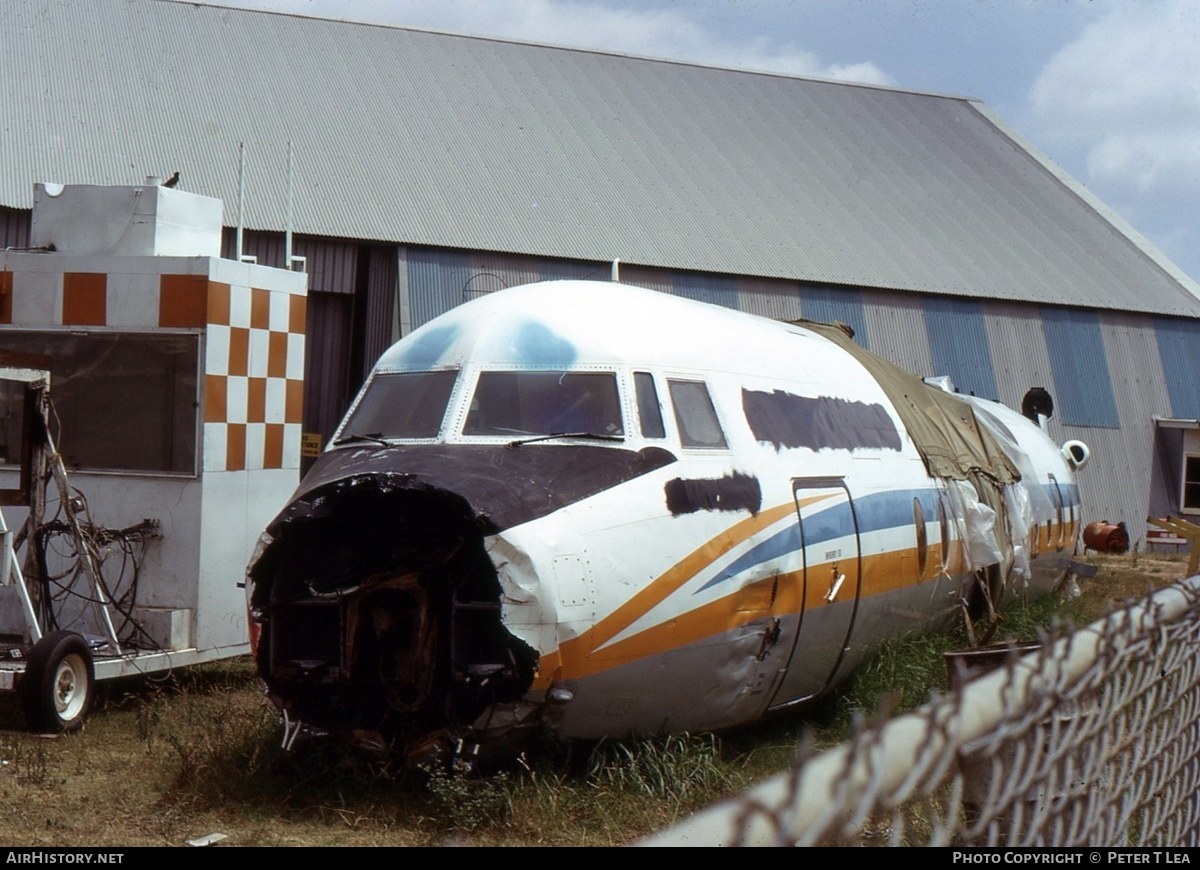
(876, 511)
(1069, 492)
(958, 344)
(829, 304)
(1082, 387)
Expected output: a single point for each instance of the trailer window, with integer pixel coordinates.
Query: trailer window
(695, 415)
(545, 403)
(125, 401)
(402, 405)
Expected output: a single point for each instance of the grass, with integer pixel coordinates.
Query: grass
(160, 763)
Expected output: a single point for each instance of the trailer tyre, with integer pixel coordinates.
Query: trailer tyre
(59, 683)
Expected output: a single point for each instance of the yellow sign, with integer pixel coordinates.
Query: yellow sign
(310, 445)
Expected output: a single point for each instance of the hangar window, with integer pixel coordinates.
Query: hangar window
(545, 403)
(695, 415)
(402, 405)
(124, 401)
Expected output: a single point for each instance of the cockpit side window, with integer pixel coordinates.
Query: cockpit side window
(649, 410)
(402, 405)
(545, 403)
(695, 415)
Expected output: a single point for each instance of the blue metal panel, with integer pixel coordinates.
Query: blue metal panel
(435, 282)
(715, 289)
(1179, 347)
(958, 344)
(829, 304)
(1083, 392)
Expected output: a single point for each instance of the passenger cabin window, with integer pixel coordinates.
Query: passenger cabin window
(695, 415)
(545, 403)
(401, 405)
(649, 410)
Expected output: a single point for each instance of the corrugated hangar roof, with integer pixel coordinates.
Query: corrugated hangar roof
(434, 139)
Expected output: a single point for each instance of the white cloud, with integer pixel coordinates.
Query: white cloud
(1128, 91)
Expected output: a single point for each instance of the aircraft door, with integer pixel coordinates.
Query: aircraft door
(826, 590)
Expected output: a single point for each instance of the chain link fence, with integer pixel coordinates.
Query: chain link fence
(1091, 739)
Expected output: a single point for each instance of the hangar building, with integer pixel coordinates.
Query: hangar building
(411, 170)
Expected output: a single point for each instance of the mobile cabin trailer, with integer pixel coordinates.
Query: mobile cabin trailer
(176, 379)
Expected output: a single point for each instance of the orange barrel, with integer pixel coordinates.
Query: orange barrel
(1104, 537)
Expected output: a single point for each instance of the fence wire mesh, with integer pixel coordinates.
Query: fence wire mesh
(1091, 739)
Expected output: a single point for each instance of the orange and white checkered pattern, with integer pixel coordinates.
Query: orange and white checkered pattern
(253, 366)
(253, 378)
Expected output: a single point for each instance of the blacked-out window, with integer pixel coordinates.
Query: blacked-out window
(1191, 483)
(124, 401)
(402, 405)
(695, 415)
(649, 410)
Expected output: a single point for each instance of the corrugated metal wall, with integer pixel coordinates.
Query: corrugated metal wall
(958, 344)
(438, 280)
(1129, 475)
(836, 304)
(1019, 357)
(896, 323)
(380, 326)
(769, 297)
(14, 228)
(327, 382)
(1105, 371)
(713, 289)
(557, 270)
(331, 264)
(1082, 385)
(1179, 350)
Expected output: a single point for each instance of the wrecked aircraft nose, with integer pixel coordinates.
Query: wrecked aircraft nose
(380, 611)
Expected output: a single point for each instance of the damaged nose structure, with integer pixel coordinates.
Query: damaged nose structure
(380, 610)
(595, 510)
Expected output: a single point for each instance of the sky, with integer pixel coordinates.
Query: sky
(1107, 89)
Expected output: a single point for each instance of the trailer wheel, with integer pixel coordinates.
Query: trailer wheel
(59, 681)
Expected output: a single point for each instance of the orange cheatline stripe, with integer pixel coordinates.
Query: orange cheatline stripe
(883, 572)
(578, 648)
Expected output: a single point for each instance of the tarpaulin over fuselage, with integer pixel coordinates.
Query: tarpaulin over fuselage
(945, 430)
